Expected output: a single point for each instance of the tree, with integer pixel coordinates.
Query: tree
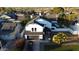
(2, 10)
(24, 22)
(9, 10)
(59, 38)
(71, 16)
(62, 21)
(66, 19)
(58, 10)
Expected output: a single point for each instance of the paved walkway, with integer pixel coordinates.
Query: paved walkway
(37, 44)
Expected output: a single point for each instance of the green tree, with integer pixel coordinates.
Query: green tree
(58, 10)
(71, 16)
(66, 19)
(24, 22)
(62, 21)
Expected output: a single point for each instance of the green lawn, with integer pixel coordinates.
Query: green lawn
(62, 48)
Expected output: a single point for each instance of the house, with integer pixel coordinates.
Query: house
(12, 15)
(5, 16)
(44, 22)
(9, 16)
(52, 27)
(16, 17)
(33, 31)
(9, 31)
(2, 20)
(75, 29)
(11, 20)
(51, 16)
(20, 16)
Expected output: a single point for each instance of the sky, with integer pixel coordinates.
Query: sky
(36, 3)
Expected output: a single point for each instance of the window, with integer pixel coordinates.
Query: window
(35, 29)
(32, 29)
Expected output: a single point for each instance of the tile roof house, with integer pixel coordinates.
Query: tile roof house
(9, 31)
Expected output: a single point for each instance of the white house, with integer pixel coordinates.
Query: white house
(33, 31)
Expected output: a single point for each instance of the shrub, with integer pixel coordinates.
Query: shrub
(59, 38)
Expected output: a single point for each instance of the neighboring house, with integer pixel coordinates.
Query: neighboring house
(12, 15)
(5, 16)
(51, 16)
(20, 17)
(9, 16)
(11, 20)
(33, 31)
(16, 17)
(75, 29)
(2, 20)
(9, 31)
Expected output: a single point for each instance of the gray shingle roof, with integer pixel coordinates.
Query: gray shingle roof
(8, 26)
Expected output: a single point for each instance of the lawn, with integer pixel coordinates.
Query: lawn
(62, 48)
